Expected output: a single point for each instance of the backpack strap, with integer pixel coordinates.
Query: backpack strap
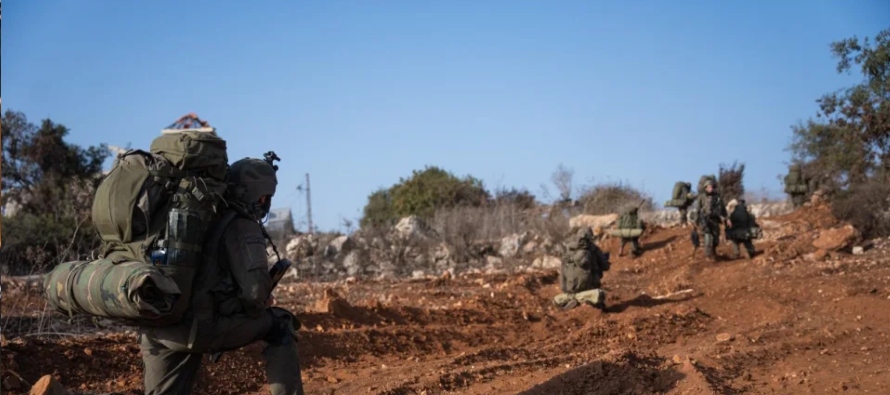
(210, 258)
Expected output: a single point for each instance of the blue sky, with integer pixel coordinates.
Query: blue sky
(360, 93)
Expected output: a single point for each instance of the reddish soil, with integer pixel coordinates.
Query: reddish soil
(780, 323)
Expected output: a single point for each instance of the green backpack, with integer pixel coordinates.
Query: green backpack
(680, 190)
(794, 180)
(157, 207)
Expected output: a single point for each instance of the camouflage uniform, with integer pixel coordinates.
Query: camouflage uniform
(711, 213)
(738, 233)
(583, 265)
(228, 310)
(798, 198)
(684, 212)
(631, 220)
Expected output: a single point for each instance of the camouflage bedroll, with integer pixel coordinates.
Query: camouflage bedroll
(625, 233)
(133, 292)
(675, 203)
(796, 188)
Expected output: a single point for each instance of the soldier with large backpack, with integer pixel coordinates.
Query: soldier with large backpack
(583, 265)
(681, 198)
(181, 258)
(232, 299)
(797, 184)
(630, 228)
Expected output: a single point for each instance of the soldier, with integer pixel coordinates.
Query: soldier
(742, 230)
(682, 199)
(630, 220)
(710, 212)
(684, 211)
(798, 184)
(583, 265)
(231, 306)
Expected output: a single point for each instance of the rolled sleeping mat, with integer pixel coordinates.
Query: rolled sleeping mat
(796, 188)
(129, 290)
(625, 233)
(675, 203)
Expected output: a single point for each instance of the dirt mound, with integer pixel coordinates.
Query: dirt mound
(676, 324)
(626, 373)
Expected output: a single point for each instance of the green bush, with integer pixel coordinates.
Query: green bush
(378, 212)
(421, 195)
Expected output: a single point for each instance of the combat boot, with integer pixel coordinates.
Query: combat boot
(601, 305)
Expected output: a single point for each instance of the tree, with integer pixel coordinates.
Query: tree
(422, 194)
(730, 181)
(562, 180)
(851, 139)
(378, 211)
(847, 148)
(50, 183)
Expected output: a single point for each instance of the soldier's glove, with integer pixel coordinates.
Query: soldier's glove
(284, 326)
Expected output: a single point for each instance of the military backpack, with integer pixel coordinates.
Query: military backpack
(155, 209)
(681, 189)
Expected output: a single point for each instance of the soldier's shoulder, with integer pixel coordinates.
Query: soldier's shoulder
(241, 225)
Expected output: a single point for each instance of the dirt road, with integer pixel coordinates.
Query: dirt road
(780, 323)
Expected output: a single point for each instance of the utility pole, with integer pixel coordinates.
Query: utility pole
(308, 204)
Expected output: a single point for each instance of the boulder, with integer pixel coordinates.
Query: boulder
(341, 244)
(511, 245)
(838, 238)
(301, 246)
(411, 228)
(352, 264)
(547, 262)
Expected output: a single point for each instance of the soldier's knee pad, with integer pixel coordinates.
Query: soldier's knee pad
(284, 327)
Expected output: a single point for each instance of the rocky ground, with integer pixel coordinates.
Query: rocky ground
(805, 316)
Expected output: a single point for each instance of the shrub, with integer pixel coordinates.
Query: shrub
(609, 198)
(520, 198)
(866, 206)
(464, 228)
(422, 194)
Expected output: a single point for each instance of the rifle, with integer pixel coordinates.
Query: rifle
(277, 273)
(695, 240)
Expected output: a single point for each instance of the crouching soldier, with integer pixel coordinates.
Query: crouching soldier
(582, 269)
(231, 307)
(742, 230)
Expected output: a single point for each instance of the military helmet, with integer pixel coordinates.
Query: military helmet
(249, 179)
